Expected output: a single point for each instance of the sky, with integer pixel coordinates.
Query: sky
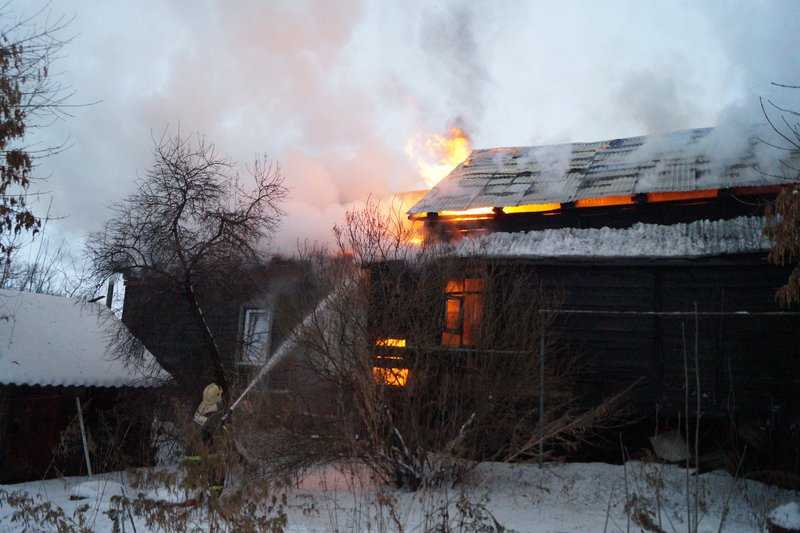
(332, 91)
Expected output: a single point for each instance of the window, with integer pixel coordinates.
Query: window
(463, 312)
(393, 377)
(256, 334)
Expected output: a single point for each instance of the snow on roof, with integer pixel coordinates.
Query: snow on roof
(786, 516)
(699, 238)
(55, 341)
(688, 160)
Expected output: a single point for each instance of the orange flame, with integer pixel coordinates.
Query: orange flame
(394, 377)
(437, 155)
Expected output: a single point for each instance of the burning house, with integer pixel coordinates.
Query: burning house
(655, 248)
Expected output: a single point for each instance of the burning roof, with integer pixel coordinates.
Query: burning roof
(548, 176)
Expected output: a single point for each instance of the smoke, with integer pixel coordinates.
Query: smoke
(752, 47)
(333, 91)
(657, 102)
(295, 81)
(252, 78)
(455, 57)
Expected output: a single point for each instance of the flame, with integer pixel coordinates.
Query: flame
(654, 197)
(394, 377)
(531, 208)
(397, 343)
(477, 211)
(437, 155)
(394, 209)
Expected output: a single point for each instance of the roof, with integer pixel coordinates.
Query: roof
(701, 238)
(55, 341)
(691, 160)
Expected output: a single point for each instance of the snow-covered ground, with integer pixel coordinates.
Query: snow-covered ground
(555, 498)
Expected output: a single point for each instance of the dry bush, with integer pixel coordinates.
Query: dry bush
(36, 514)
(783, 215)
(217, 487)
(117, 434)
(183, 502)
(459, 404)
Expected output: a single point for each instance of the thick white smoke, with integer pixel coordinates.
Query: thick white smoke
(333, 90)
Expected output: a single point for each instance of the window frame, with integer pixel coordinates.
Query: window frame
(461, 290)
(248, 349)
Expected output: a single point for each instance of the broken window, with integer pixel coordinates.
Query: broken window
(463, 312)
(256, 334)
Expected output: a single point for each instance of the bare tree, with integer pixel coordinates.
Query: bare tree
(191, 219)
(44, 273)
(784, 215)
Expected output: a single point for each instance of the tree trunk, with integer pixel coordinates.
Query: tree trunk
(213, 349)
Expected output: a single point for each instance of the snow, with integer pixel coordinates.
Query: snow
(95, 489)
(699, 238)
(786, 516)
(55, 341)
(527, 498)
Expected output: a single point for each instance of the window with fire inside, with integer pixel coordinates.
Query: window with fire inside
(463, 311)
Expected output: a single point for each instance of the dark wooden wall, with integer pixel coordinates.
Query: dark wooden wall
(157, 314)
(748, 364)
(33, 421)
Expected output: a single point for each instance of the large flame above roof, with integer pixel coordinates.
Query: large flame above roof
(437, 155)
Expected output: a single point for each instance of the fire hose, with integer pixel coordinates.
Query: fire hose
(282, 352)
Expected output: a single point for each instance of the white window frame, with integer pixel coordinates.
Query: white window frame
(255, 352)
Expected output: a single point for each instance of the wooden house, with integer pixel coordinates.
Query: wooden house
(647, 240)
(249, 316)
(56, 372)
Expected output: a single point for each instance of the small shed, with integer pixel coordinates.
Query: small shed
(55, 361)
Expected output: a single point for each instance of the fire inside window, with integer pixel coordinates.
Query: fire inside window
(397, 343)
(463, 312)
(394, 377)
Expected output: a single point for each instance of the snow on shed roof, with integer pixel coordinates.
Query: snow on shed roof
(55, 341)
(693, 239)
(690, 160)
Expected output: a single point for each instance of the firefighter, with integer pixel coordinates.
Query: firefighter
(210, 417)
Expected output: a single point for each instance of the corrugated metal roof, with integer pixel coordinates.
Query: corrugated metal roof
(54, 341)
(680, 161)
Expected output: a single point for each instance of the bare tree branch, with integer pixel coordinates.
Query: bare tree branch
(189, 221)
